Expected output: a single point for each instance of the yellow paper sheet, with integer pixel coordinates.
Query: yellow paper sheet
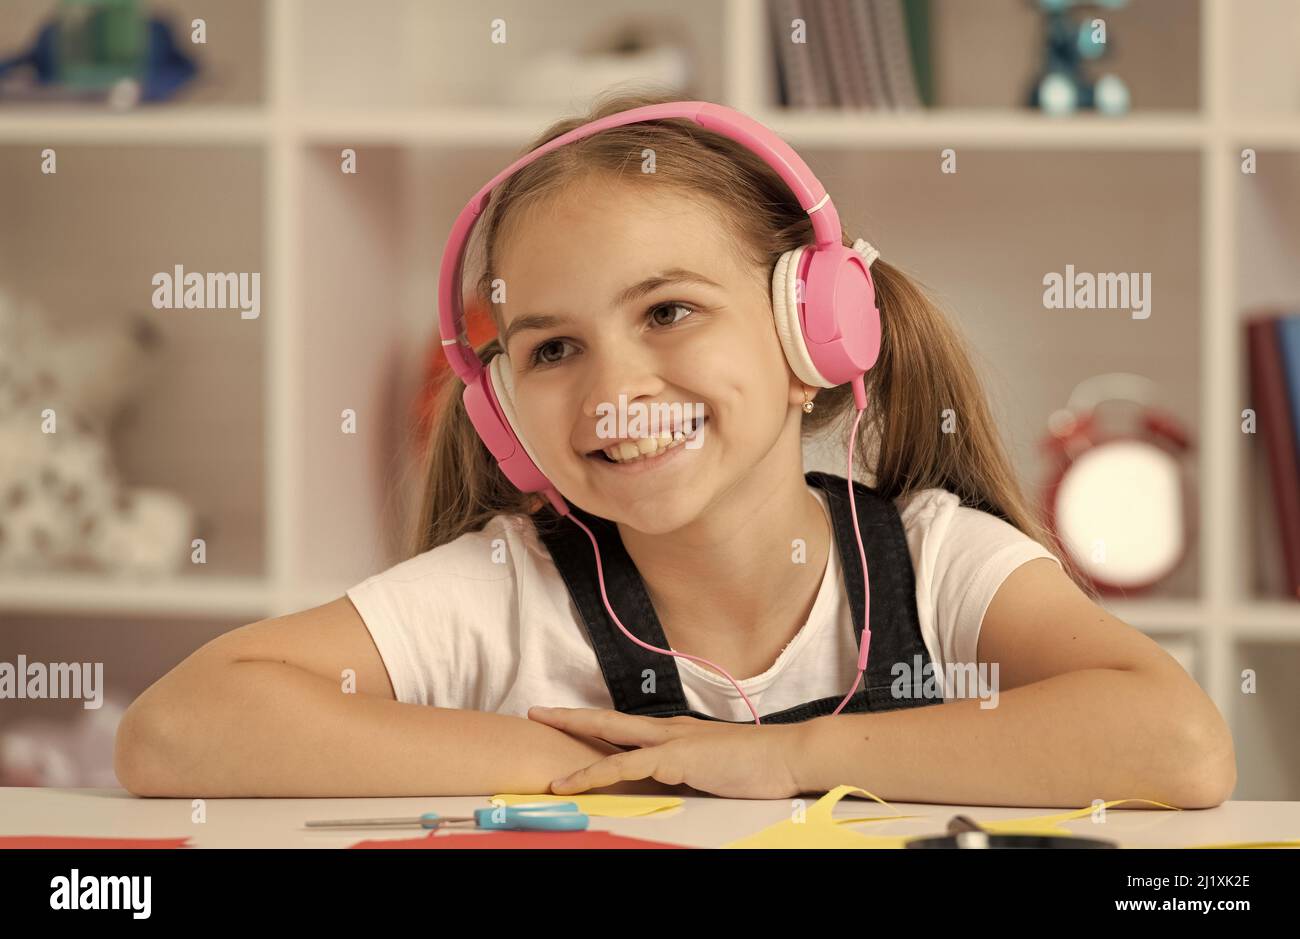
(1050, 824)
(819, 829)
(855, 819)
(608, 806)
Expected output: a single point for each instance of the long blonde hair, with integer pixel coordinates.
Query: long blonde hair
(923, 368)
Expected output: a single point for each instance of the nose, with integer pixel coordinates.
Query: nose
(624, 368)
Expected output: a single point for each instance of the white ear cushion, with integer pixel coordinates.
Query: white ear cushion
(503, 384)
(785, 312)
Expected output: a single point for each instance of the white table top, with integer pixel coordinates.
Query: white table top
(701, 821)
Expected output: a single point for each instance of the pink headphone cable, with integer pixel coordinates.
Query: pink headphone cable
(866, 591)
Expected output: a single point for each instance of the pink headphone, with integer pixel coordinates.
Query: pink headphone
(823, 301)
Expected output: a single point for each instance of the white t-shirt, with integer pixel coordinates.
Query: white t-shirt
(467, 625)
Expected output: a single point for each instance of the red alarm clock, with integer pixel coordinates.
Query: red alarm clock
(1120, 502)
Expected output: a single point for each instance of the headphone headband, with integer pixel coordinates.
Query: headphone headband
(761, 141)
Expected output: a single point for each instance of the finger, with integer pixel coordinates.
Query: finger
(613, 726)
(620, 767)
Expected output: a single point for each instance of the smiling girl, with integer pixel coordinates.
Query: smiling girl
(489, 660)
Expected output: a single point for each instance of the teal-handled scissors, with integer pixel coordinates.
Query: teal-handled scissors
(530, 816)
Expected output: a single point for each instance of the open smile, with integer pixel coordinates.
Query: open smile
(641, 462)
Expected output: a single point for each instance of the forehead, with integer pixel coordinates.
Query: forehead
(600, 226)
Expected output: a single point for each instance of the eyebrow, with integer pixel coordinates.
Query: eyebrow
(675, 275)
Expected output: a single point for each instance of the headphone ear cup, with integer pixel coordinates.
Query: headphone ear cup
(489, 402)
(503, 386)
(785, 313)
(837, 340)
(841, 320)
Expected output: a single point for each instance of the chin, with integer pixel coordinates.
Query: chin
(654, 513)
(656, 520)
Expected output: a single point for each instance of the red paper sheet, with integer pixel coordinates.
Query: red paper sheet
(519, 839)
(74, 841)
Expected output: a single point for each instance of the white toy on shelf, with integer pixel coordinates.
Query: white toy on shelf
(62, 503)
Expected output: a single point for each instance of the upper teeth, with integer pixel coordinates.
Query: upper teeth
(627, 450)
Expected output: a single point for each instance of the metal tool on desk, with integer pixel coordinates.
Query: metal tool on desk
(531, 816)
(965, 832)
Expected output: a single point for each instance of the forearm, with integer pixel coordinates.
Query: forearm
(1061, 742)
(270, 729)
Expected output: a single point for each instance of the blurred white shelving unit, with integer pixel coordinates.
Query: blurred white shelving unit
(349, 260)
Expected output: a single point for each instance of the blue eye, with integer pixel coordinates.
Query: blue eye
(536, 359)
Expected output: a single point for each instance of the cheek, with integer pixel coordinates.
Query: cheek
(748, 400)
(749, 346)
(752, 359)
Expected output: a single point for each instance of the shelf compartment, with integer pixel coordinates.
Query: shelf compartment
(232, 62)
(409, 53)
(1266, 245)
(196, 426)
(987, 55)
(1263, 73)
(1263, 723)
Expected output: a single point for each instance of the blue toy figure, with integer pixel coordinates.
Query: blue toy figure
(108, 48)
(1062, 87)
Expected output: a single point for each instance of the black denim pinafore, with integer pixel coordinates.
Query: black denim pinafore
(895, 627)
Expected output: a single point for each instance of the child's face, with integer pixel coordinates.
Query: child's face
(706, 347)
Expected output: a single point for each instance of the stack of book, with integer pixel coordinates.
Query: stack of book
(1273, 340)
(866, 54)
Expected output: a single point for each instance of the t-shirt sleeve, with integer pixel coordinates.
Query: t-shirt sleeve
(961, 557)
(445, 622)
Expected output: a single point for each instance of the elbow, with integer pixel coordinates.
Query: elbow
(1207, 772)
(138, 752)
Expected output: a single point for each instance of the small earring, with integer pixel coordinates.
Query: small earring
(807, 405)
